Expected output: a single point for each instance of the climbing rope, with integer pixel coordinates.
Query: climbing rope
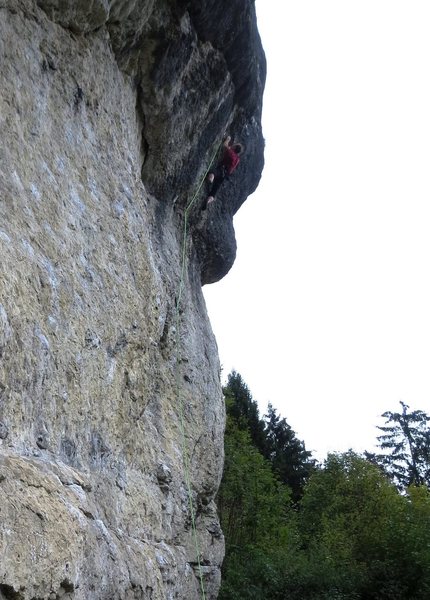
(185, 453)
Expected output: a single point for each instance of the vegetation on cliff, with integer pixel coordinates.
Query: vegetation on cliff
(347, 529)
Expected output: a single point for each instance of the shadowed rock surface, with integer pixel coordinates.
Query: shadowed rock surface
(110, 111)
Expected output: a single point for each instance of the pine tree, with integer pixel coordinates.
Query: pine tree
(406, 445)
(289, 458)
(244, 410)
(272, 436)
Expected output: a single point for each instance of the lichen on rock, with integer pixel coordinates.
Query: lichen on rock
(110, 111)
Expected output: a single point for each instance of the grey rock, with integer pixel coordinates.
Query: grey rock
(4, 431)
(112, 110)
(164, 477)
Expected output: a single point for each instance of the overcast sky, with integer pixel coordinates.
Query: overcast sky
(326, 312)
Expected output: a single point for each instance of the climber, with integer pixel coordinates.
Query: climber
(228, 163)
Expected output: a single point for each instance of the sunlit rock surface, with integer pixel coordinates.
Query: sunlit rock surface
(110, 112)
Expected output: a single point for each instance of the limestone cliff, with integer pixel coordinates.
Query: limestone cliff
(110, 111)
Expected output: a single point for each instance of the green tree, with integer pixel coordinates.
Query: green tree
(406, 447)
(271, 436)
(349, 535)
(359, 537)
(241, 407)
(252, 505)
(287, 454)
(251, 502)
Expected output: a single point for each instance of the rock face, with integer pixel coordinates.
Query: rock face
(111, 412)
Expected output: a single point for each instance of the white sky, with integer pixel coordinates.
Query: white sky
(326, 312)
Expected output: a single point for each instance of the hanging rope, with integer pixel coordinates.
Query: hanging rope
(185, 453)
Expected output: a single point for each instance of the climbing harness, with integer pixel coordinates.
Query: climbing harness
(185, 453)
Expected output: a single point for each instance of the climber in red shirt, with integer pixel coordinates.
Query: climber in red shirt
(228, 163)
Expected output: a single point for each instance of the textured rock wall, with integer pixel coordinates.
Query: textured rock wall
(109, 112)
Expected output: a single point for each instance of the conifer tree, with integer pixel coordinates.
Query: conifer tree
(272, 436)
(289, 458)
(406, 444)
(244, 410)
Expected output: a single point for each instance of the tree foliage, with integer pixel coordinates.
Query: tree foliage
(288, 456)
(244, 410)
(272, 436)
(350, 534)
(405, 442)
(358, 532)
(252, 503)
